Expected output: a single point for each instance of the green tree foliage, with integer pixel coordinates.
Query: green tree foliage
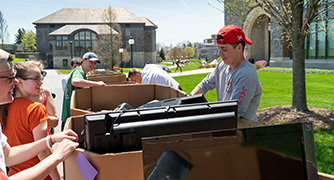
(174, 53)
(162, 54)
(107, 45)
(29, 41)
(19, 35)
(3, 29)
(189, 51)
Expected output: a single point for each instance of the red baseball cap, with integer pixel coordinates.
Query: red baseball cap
(232, 34)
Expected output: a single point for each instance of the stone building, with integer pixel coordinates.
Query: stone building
(71, 32)
(208, 49)
(268, 43)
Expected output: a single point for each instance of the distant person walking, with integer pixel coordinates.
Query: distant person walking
(178, 65)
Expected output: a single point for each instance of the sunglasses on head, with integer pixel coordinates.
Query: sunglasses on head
(44, 73)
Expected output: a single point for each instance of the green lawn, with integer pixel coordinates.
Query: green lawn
(277, 90)
(17, 59)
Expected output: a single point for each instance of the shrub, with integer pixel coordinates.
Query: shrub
(260, 64)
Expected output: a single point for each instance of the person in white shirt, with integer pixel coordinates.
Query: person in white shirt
(153, 74)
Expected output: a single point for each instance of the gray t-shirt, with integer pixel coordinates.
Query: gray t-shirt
(240, 84)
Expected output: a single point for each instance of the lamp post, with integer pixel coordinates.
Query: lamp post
(121, 51)
(71, 50)
(131, 42)
(269, 47)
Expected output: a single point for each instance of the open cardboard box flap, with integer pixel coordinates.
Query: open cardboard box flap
(109, 79)
(95, 99)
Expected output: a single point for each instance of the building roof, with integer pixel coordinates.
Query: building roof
(69, 29)
(92, 16)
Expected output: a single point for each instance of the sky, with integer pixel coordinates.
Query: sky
(177, 20)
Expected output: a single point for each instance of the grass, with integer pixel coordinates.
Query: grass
(324, 151)
(277, 90)
(17, 59)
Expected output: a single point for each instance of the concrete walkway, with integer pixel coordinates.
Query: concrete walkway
(197, 71)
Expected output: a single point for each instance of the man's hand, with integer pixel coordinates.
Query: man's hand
(101, 83)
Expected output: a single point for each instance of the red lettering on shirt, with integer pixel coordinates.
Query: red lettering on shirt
(242, 95)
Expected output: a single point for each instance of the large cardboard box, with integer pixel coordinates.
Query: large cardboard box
(125, 166)
(96, 99)
(109, 79)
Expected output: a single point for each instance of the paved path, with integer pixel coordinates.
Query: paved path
(197, 71)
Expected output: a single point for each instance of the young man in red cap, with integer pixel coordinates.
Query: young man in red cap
(234, 77)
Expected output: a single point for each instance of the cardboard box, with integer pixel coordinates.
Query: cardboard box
(125, 166)
(95, 99)
(109, 79)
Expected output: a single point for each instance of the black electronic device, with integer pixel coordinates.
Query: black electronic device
(197, 98)
(122, 131)
(266, 152)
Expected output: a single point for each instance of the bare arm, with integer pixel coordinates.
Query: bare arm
(42, 169)
(51, 107)
(196, 90)
(39, 132)
(18, 154)
(78, 82)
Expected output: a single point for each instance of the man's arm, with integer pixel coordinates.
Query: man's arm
(78, 82)
(197, 90)
(42, 169)
(21, 153)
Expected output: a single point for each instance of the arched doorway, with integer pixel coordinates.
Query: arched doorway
(256, 28)
(260, 38)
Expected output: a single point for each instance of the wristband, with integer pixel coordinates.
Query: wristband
(47, 142)
(51, 140)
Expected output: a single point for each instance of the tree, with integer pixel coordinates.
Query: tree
(19, 35)
(107, 44)
(3, 29)
(29, 41)
(190, 51)
(294, 17)
(162, 54)
(174, 53)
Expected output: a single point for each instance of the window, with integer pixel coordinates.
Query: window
(52, 27)
(83, 42)
(311, 52)
(330, 37)
(127, 30)
(321, 39)
(61, 42)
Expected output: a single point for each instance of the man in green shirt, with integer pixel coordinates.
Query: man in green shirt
(78, 80)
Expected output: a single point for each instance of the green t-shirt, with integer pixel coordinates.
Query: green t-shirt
(69, 88)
